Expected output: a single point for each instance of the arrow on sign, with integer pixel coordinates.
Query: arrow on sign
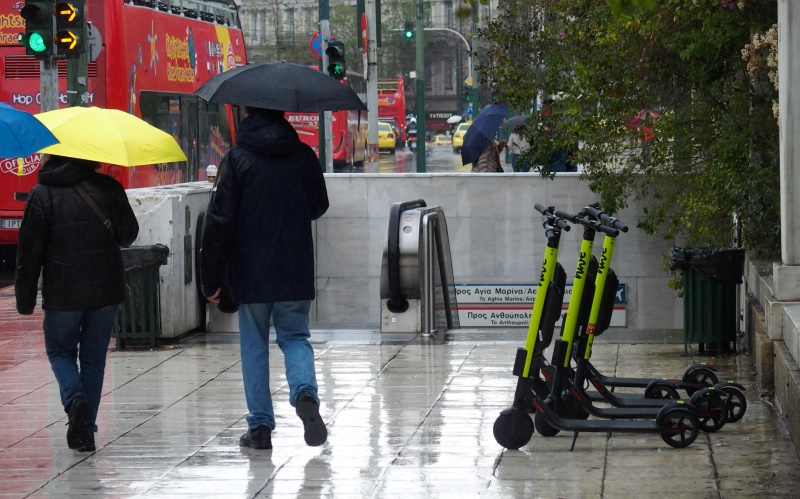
(67, 39)
(68, 12)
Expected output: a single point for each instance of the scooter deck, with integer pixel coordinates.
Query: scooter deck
(596, 425)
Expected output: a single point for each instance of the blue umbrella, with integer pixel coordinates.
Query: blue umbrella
(482, 132)
(21, 134)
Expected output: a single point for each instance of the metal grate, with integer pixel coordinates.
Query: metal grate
(26, 67)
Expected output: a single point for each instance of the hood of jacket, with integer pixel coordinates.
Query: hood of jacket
(59, 170)
(267, 136)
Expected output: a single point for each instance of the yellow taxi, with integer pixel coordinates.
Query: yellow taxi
(458, 136)
(441, 140)
(386, 139)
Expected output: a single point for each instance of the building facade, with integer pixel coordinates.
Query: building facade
(283, 29)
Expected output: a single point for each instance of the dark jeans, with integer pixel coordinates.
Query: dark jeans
(519, 166)
(76, 345)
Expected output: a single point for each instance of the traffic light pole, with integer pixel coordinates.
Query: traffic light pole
(324, 123)
(48, 90)
(372, 86)
(420, 35)
(475, 103)
(76, 81)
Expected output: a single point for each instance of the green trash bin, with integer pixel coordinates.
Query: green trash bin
(139, 319)
(710, 277)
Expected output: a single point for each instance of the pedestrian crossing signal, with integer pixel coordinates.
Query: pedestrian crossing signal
(336, 61)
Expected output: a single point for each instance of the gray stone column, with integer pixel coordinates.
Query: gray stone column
(787, 273)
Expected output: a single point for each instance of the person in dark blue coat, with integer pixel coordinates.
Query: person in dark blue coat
(83, 279)
(268, 190)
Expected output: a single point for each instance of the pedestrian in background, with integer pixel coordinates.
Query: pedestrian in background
(268, 190)
(489, 159)
(64, 238)
(517, 145)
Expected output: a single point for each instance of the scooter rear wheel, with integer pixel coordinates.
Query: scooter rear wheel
(513, 428)
(737, 404)
(680, 427)
(700, 376)
(712, 410)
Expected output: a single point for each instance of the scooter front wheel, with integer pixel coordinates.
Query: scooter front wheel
(513, 428)
(544, 428)
(661, 389)
(679, 427)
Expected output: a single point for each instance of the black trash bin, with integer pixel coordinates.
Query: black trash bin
(139, 319)
(710, 277)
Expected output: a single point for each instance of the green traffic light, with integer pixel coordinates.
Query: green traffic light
(337, 69)
(409, 34)
(36, 43)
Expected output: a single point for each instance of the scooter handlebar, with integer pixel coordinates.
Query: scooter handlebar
(550, 219)
(594, 210)
(588, 223)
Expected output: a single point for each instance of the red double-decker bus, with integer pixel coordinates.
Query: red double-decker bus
(348, 128)
(155, 54)
(392, 104)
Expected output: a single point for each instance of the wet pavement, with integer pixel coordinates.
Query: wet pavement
(407, 417)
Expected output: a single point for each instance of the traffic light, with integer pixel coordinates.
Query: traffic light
(408, 30)
(38, 38)
(466, 93)
(70, 36)
(336, 63)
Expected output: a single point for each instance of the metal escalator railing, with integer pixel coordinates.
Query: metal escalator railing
(417, 273)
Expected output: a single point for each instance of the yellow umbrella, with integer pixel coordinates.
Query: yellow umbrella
(108, 136)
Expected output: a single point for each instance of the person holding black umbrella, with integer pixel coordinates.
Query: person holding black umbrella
(268, 190)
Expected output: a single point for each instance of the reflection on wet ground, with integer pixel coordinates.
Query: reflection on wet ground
(411, 417)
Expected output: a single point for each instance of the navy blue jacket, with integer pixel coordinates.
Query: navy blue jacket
(62, 238)
(268, 190)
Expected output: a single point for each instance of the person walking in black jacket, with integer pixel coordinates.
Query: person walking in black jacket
(268, 190)
(83, 279)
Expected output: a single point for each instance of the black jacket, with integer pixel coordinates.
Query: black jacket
(269, 188)
(64, 239)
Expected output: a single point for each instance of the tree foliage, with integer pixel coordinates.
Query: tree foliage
(670, 101)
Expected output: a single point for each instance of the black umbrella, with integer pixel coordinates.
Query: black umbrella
(283, 86)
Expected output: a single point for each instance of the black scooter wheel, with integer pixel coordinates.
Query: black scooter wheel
(661, 389)
(679, 427)
(544, 428)
(513, 428)
(712, 410)
(737, 404)
(702, 376)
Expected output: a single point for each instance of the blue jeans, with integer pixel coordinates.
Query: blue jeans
(76, 345)
(291, 326)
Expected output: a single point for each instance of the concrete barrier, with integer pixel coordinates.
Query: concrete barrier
(495, 237)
